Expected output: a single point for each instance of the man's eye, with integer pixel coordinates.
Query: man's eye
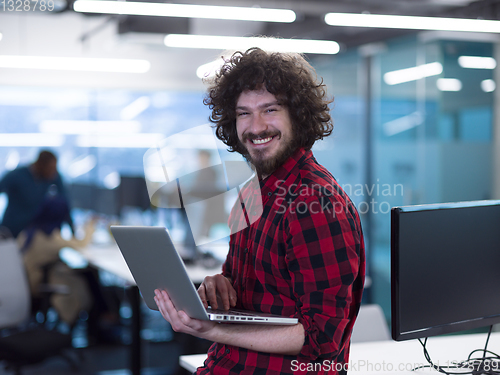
(241, 113)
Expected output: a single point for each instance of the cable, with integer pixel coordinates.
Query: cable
(475, 366)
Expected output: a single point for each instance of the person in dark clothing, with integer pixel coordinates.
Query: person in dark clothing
(27, 187)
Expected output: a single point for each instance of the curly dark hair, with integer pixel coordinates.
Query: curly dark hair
(289, 77)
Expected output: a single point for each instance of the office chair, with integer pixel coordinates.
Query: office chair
(21, 342)
(370, 325)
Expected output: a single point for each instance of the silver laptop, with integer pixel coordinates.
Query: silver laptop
(155, 264)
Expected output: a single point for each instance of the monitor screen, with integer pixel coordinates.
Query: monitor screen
(91, 197)
(445, 268)
(133, 192)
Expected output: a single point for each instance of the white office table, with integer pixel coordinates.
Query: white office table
(383, 357)
(109, 258)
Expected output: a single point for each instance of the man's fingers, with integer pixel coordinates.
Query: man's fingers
(176, 318)
(160, 302)
(233, 297)
(203, 295)
(179, 320)
(223, 292)
(211, 292)
(218, 291)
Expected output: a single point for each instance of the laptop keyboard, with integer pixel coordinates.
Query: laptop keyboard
(229, 312)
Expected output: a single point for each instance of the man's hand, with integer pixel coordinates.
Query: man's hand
(265, 338)
(215, 289)
(179, 320)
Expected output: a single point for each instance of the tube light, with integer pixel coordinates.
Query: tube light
(75, 64)
(412, 74)
(477, 62)
(112, 180)
(209, 69)
(31, 140)
(412, 22)
(449, 84)
(82, 166)
(402, 124)
(243, 43)
(13, 160)
(185, 10)
(135, 108)
(141, 140)
(88, 127)
(488, 85)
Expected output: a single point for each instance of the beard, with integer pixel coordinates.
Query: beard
(263, 165)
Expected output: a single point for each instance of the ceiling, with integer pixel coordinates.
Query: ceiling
(72, 34)
(310, 14)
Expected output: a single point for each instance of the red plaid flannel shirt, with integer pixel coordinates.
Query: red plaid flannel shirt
(304, 257)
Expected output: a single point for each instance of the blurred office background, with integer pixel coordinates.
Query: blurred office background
(402, 137)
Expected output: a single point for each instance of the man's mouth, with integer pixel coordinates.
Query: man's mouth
(261, 141)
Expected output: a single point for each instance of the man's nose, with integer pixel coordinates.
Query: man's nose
(258, 124)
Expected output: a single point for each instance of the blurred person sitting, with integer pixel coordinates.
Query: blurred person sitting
(40, 243)
(26, 189)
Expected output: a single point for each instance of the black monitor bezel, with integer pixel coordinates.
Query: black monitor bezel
(396, 332)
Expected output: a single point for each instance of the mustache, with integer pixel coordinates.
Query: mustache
(265, 134)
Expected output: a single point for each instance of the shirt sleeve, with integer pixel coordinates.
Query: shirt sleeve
(323, 254)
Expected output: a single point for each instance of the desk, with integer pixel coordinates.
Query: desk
(109, 258)
(381, 357)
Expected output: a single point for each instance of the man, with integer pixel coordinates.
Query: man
(26, 189)
(304, 257)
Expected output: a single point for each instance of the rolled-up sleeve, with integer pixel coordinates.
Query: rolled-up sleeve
(323, 254)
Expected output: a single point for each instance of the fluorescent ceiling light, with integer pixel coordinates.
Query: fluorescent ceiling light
(449, 84)
(488, 85)
(135, 108)
(82, 166)
(402, 124)
(89, 127)
(13, 160)
(1, 36)
(412, 74)
(243, 43)
(209, 69)
(412, 22)
(112, 180)
(75, 64)
(142, 140)
(31, 140)
(185, 10)
(477, 62)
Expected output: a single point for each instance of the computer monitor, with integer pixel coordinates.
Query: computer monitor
(94, 198)
(133, 192)
(445, 268)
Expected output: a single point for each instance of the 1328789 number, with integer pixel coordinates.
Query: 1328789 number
(27, 5)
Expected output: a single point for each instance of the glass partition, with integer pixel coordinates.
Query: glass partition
(413, 125)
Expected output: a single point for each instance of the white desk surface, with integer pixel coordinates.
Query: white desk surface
(109, 258)
(382, 357)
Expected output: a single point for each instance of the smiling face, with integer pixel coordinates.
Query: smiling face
(264, 129)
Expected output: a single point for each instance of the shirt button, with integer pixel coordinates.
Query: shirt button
(228, 351)
(269, 194)
(246, 250)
